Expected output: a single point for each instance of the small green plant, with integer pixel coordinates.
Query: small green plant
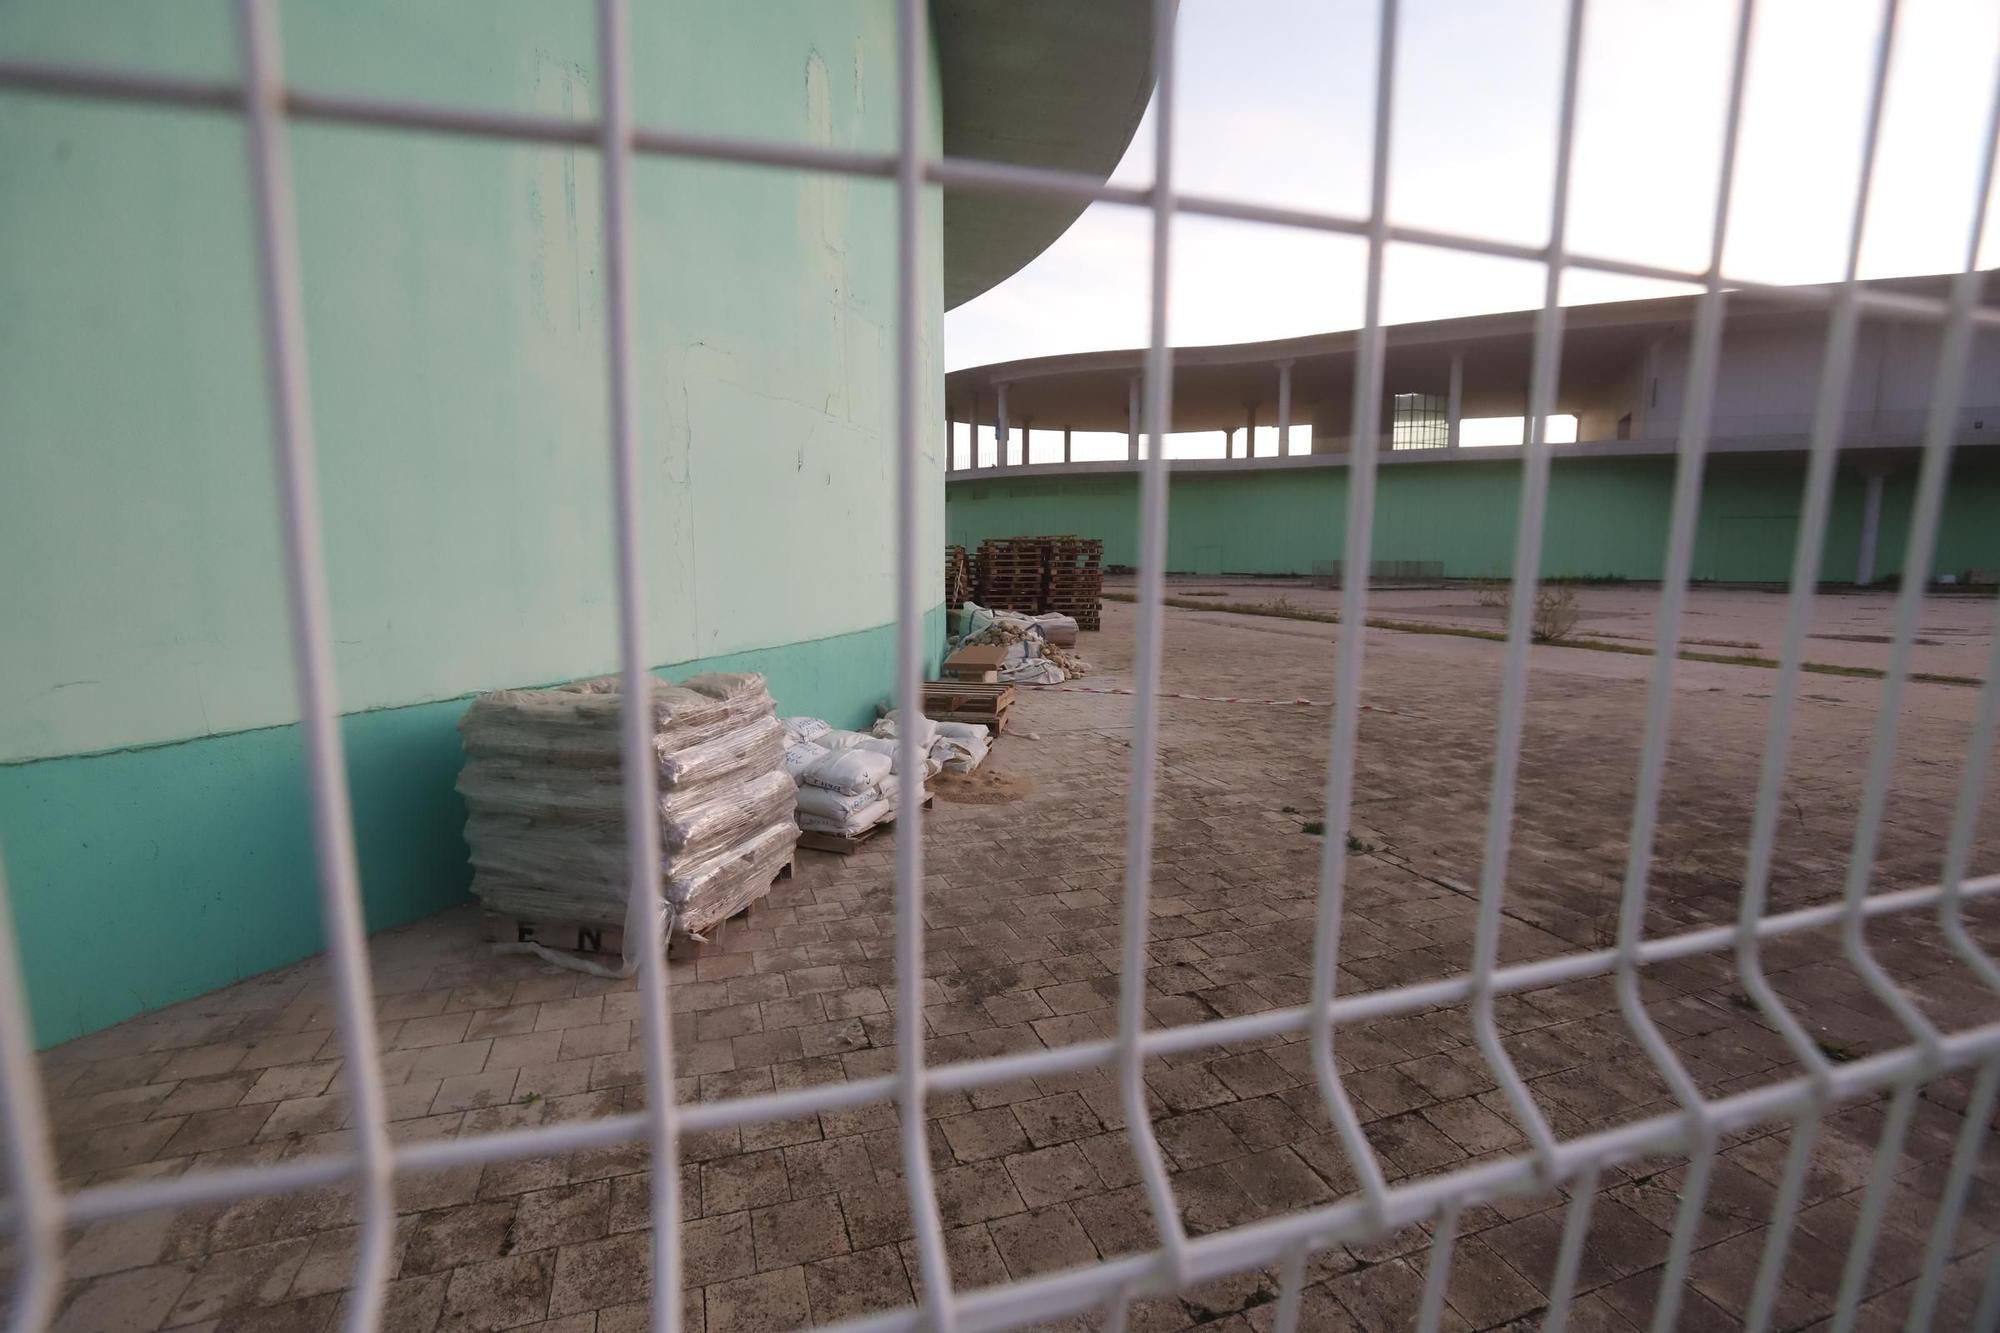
(1357, 846)
(1316, 827)
(1836, 1050)
(1288, 809)
(529, 1099)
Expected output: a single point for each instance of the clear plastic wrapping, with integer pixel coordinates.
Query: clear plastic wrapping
(545, 798)
(743, 693)
(577, 724)
(730, 884)
(508, 784)
(560, 850)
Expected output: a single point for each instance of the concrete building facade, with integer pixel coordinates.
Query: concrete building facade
(152, 811)
(1620, 398)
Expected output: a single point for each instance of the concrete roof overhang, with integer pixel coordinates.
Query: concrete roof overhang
(1212, 385)
(1043, 83)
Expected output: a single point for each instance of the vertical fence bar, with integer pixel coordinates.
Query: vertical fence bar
(1291, 1286)
(912, 45)
(24, 1133)
(1843, 327)
(1349, 652)
(1680, 1244)
(1828, 414)
(1972, 1135)
(1874, 1202)
(1954, 351)
(1704, 358)
(1953, 355)
(1784, 1213)
(1437, 1272)
(644, 907)
(290, 404)
(1569, 1255)
(1146, 672)
(1527, 578)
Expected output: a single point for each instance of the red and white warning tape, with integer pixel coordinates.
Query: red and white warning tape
(1212, 698)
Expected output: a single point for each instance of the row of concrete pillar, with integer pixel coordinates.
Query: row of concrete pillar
(1003, 425)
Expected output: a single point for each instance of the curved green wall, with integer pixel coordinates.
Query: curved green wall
(454, 308)
(1606, 517)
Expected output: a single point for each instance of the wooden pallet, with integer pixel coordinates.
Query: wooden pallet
(969, 701)
(572, 936)
(842, 844)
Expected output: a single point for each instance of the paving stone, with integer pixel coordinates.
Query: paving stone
(502, 1293)
(715, 1248)
(792, 1233)
(448, 1237)
(613, 1271)
(1042, 1241)
(752, 1180)
(984, 1134)
(562, 1216)
(239, 1279)
(762, 1303)
(136, 1299)
(864, 1282)
(1052, 1175)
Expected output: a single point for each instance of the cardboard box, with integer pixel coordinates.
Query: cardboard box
(978, 663)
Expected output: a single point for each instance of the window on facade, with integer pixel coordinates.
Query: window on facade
(1418, 422)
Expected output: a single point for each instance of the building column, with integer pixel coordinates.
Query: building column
(1649, 373)
(1284, 408)
(1871, 528)
(1000, 426)
(1229, 443)
(1250, 431)
(1132, 419)
(1454, 400)
(1027, 426)
(1065, 444)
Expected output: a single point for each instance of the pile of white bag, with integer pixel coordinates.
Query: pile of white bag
(847, 780)
(1033, 656)
(543, 789)
(955, 747)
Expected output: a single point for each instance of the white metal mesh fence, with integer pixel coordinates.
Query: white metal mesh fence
(39, 1211)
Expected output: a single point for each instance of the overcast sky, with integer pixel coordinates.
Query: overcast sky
(1275, 105)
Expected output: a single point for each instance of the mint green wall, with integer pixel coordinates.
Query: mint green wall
(142, 877)
(454, 311)
(1605, 517)
(455, 320)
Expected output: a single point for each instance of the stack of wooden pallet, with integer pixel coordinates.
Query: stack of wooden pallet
(1073, 579)
(958, 583)
(1010, 574)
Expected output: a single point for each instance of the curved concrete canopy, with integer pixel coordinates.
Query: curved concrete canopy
(1214, 386)
(1043, 83)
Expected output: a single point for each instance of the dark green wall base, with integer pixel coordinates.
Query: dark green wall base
(1605, 517)
(143, 877)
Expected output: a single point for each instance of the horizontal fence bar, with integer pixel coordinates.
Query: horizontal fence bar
(100, 1201)
(69, 80)
(1259, 1244)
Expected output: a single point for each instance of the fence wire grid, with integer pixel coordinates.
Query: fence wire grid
(39, 1210)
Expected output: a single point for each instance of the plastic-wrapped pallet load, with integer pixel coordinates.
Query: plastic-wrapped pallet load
(545, 798)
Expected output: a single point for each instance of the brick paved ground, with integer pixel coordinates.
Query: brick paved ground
(805, 1221)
